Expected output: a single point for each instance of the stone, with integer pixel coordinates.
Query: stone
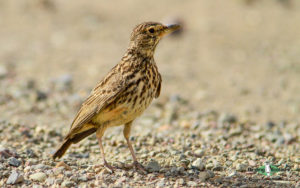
(210, 173)
(30, 153)
(153, 166)
(180, 181)
(67, 183)
(83, 178)
(232, 174)
(37, 186)
(68, 173)
(161, 183)
(50, 181)
(39, 176)
(58, 181)
(203, 176)
(209, 166)
(173, 170)
(198, 163)
(219, 180)
(184, 163)
(199, 153)
(192, 184)
(40, 166)
(14, 162)
(15, 178)
(241, 167)
(228, 163)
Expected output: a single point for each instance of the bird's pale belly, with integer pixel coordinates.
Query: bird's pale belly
(122, 113)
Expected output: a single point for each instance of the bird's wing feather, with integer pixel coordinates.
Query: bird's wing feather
(102, 95)
(159, 87)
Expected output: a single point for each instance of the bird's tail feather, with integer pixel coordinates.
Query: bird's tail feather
(68, 141)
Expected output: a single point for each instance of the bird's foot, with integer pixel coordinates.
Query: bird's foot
(139, 167)
(109, 167)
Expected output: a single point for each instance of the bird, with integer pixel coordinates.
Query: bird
(123, 94)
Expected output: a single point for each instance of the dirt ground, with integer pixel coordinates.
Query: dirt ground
(239, 57)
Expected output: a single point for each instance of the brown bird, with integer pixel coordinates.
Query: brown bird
(124, 93)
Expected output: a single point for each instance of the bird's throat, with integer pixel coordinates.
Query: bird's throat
(138, 53)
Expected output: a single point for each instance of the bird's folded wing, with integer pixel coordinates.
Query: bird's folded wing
(159, 86)
(101, 96)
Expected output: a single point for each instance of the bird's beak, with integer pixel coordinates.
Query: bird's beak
(170, 28)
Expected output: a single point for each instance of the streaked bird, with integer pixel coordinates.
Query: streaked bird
(124, 93)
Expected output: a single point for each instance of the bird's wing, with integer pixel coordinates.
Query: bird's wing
(102, 95)
(159, 87)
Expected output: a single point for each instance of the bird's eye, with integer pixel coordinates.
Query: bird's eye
(151, 30)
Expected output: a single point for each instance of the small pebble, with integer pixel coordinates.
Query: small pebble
(233, 173)
(68, 173)
(210, 173)
(192, 184)
(199, 153)
(209, 166)
(203, 176)
(37, 186)
(50, 181)
(58, 181)
(14, 162)
(153, 166)
(241, 167)
(161, 183)
(15, 178)
(219, 180)
(83, 178)
(39, 176)
(180, 181)
(198, 163)
(39, 166)
(67, 183)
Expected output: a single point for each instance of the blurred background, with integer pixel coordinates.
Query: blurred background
(234, 56)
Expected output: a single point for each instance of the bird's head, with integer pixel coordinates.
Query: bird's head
(146, 36)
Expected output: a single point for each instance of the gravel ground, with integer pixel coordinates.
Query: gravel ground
(178, 145)
(229, 101)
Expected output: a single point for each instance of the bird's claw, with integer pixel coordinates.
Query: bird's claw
(109, 167)
(138, 166)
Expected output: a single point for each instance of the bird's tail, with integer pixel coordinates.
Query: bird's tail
(72, 140)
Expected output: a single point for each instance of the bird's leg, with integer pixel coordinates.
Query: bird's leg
(126, 133)
(99, 134)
